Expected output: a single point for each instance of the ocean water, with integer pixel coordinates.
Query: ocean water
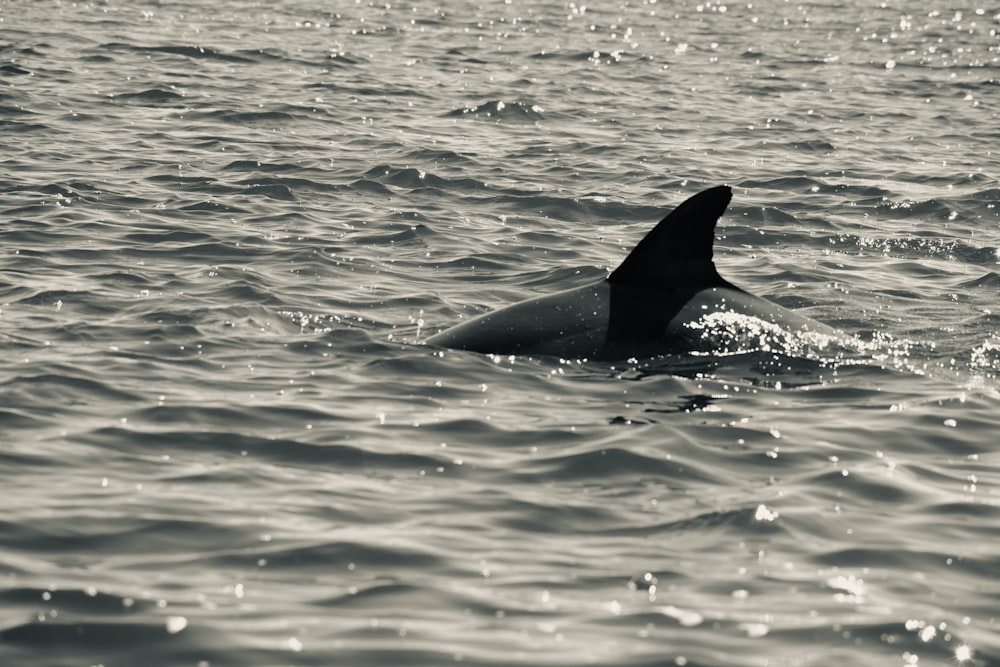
(227, 229)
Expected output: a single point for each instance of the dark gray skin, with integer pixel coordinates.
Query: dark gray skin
(665, 298)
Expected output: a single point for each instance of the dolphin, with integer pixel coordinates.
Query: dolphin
(666, 298)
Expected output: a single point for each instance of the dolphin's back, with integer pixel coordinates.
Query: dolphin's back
(570, 324)
(666, 297)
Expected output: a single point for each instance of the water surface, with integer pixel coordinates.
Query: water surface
(227, 231)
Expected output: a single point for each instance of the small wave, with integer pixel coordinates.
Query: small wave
(21, 126)
(293, 452)
(807, 146)
(212, 207)
(921, 247)
(270, 188)
(501, 110)
(413, 178)
(408, 235)
(269, 118)
(369, 186)
(986, 356)
(175, 236)
(272, 56)
(46, 297)
(7, 111)
(12, 420)
(13, 69)
(443, 156)
(784, 183)
(255, 165)
(195, 52)
(89, 601)
(288, 183)
(150, 97)
(610, 463)
(54, 388)
(70, 636)
(559, 54)
(990, 279)
(534, 517)
(67, 190)
(375, 595)
(324, 555)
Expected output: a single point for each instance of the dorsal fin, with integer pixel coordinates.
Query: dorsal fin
(678, 251)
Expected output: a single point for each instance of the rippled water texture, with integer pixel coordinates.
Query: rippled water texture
(227, 229)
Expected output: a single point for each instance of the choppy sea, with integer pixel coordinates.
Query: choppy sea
(227, 229)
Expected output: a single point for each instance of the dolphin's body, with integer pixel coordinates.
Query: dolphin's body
(665, 298)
